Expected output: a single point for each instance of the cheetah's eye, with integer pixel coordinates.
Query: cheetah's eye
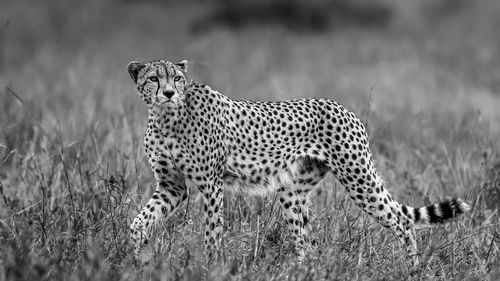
(177, 78)
(153, 78)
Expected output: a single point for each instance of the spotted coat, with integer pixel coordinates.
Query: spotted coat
(199, 137)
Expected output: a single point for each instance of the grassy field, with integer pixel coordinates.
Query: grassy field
(73, 173)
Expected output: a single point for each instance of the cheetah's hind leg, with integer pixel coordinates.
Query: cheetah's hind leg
(294, 202)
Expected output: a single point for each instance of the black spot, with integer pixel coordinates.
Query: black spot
(405, 210)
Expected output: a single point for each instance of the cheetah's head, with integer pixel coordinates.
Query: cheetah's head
(159, 82)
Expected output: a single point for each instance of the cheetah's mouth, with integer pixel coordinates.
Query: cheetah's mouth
(161, 101)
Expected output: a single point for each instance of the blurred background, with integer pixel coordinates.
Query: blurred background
(406, 65)
(424, 76)
(394, 52)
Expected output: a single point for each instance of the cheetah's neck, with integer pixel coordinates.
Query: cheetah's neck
(166, 118)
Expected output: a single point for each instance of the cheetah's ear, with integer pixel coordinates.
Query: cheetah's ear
(133, 69)
(183, 65)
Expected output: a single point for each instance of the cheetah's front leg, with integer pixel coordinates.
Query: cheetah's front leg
(212, 206)
(162, 204)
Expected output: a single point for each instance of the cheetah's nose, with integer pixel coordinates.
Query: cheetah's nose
(168, 93)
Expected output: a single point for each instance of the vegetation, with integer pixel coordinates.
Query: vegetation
(73, 173)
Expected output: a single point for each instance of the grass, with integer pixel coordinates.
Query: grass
(73, 173)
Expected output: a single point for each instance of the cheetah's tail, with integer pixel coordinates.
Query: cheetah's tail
(437, 213)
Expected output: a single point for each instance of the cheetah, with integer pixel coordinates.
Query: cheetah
(199, 137)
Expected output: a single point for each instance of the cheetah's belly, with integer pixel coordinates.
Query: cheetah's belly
(255, 178)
